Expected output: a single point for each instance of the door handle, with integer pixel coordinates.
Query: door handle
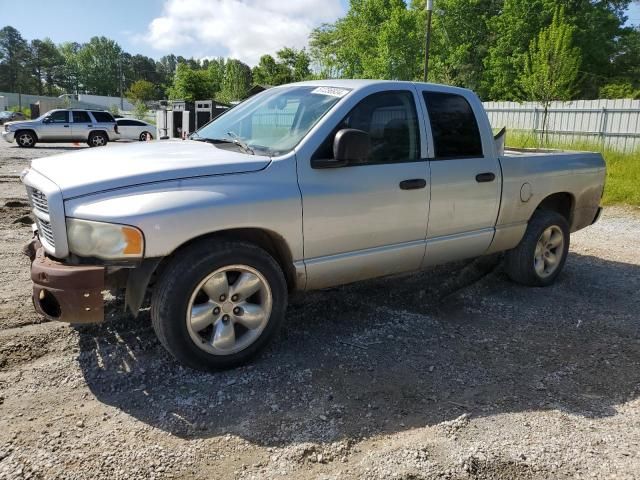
(66, 126)
(89, 126)
(485, 177)
(413, 184)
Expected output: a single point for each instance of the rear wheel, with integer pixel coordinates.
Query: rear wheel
(217, 305)
(539, 258)
(25, 139)
(97, 139)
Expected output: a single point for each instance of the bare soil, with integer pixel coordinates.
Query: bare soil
(452, 373)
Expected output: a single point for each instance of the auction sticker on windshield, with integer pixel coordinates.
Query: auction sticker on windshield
(332, 91)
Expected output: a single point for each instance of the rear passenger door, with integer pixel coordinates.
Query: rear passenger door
(104, 121)
(81, 125)
(465, 179)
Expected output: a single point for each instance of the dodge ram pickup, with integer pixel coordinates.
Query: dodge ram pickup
(302, 187)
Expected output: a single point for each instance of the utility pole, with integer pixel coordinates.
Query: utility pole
(120, 81)
(429, 7)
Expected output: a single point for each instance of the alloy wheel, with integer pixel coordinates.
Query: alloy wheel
(549, 251)
(229, 309)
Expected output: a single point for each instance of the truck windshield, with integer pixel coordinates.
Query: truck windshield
(273, 122)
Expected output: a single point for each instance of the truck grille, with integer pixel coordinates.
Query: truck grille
(46, 231)
(38, 200)
(40, 204)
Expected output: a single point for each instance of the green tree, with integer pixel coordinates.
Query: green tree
(190, 85)
(215, 70)
(69, 80)
(294, 65)
(236, 82)
(141, 91)
(100, 66)
(270, 72)
(376, 39)
(598, 27)
(14, 58)
(551, 65)
(47, 64)
(460, 39)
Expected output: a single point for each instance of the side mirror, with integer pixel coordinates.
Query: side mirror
(349, 146)
(46, 120)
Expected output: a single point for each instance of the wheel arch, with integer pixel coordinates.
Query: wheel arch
(106, 134)
(30, 130)
(560, 202)
(274, 244)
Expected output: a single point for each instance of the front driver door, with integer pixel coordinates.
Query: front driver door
(57, 127)
(367, 219)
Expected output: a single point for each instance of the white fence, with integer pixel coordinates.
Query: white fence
(612, 123)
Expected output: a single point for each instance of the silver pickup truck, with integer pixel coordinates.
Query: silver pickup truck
(302, 187)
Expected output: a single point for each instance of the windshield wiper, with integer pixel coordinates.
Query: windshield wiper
(241, 143)
(235, 141)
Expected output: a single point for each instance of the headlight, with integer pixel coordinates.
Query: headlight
(104, 240)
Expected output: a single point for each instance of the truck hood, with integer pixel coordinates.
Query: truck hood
(21, 123)
(98, 169)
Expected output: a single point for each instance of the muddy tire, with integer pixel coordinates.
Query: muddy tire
(539, 258)
(217, 305)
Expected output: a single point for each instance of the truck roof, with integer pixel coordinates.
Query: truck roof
(361, 83)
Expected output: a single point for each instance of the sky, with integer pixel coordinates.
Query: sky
(244, 29)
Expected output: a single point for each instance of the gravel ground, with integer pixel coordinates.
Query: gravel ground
(453, 373)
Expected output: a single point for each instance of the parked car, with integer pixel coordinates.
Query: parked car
(132, 129)
(94, 127)
(392, 177)
(7, 116)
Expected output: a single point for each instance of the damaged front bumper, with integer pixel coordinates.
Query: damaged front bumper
(66, 293)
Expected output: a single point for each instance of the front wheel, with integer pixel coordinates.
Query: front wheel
(25, 139)
(144, 136)
(539, 258)
(217, 305)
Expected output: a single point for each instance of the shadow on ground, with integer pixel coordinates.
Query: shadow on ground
(393, 354)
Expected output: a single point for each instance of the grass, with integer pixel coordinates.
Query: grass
(623, 169)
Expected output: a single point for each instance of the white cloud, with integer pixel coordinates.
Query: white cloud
(243, 29)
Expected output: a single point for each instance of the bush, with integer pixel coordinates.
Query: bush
(24, 110)
(140, 110)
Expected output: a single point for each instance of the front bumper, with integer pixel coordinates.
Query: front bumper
(8, 136)
(66, 293)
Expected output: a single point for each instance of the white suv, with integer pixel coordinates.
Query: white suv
(94, 127)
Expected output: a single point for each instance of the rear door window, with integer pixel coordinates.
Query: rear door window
(454, 126)
(103, 117)
(81, 117)
(126, 123)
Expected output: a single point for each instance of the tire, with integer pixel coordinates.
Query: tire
(143, 136)
(97, 139)
(184, 316)
(540, 257)
(26, 139)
